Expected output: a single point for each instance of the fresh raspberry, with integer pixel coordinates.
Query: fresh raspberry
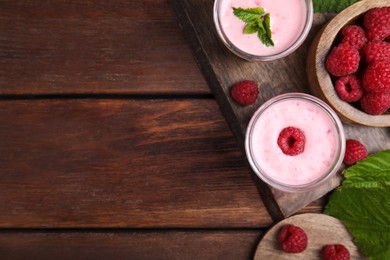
(375, 103)
(342, 60)
(354, 35)
(354, 152)
(291, 141)
(376, 51)
(349, 88)
(335, 252)
(376, 77)
(245, 92)
(292, 239)
(377, 23)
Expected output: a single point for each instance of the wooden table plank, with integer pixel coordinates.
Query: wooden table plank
(238, 244)
(122, 163)
(57, 47)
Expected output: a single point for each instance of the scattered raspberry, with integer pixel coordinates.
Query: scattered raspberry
(292, 141)
(292, 239)
(377, 23)
(354, 35)
(375, 103)
(375, 51)
(349, 88)
(354, 152)
(342, 60)
(245, 92)
(335, 252)
(376, 78)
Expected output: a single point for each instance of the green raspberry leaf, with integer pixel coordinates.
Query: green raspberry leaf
(331, 6)
(362, 204)
(257, 22)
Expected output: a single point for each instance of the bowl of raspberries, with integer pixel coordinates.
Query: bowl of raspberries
(348, 65)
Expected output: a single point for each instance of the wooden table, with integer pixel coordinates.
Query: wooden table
(112, 145)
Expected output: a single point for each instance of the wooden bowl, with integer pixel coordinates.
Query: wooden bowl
(320, 81)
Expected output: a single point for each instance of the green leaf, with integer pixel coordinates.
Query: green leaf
(362, 203)
(265, 39)
(251, 28)
(248, 15)
(267, 26)
(257, 22)
(330, 6)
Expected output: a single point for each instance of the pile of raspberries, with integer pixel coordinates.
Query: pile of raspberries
(360, 62)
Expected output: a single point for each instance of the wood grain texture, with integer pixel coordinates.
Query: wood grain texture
(122, 163)
(321, 230)
(222, 68)
(320, 81)
(57, 47)
(129, 245)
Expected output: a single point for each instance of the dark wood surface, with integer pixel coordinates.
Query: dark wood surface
(111, 142)
(222, 69)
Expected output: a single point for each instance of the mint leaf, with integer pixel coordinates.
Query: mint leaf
(267, 25)
(257, 22)
(362, 203)
(248, 15)
(251, 28)
(330, 6)
(265, 40)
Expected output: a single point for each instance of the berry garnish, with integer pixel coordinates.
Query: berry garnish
(245, 92)
(342, 60)
(291, 141)
(354, 35)
(376, 78)
(335, 252)
(375, 103)
(349, 88)
(292, 239)
(354, 151)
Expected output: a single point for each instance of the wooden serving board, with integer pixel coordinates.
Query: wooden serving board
(320, 229)
(222, 69)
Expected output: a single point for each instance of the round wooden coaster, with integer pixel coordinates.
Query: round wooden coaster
(321, 230)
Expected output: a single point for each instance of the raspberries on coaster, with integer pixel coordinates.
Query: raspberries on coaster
(292, 239)
(245, 92)
(360, 62)
(335, 252)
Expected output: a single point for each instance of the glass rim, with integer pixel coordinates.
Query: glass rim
(251, 57)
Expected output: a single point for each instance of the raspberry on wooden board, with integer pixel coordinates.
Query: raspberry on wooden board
(292, 239)
(335, 252)
(245, 92)
(354, 151)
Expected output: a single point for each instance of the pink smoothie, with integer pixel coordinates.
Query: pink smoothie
(288, 18)
(321, 147)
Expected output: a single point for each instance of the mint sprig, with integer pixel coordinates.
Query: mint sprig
(362, 203)
(257, 21)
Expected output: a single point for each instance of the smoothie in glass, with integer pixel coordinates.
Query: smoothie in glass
(324, 142)
(290, 21)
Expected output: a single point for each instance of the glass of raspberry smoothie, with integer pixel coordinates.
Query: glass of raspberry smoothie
(289, 22)
(295, 142)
